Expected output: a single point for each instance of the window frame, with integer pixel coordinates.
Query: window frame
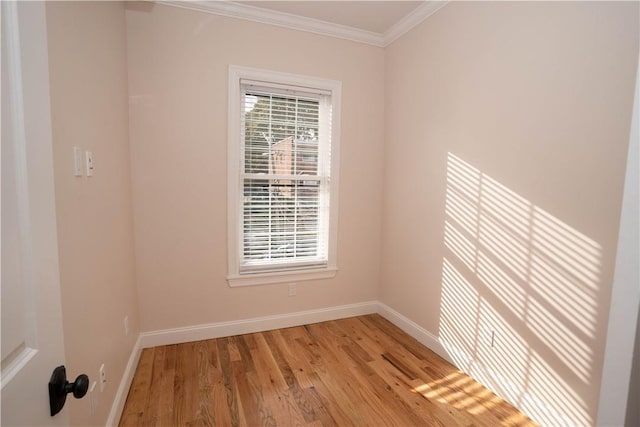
(234, 179)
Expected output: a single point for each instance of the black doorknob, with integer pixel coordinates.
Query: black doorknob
(79, 387)
(59, 387)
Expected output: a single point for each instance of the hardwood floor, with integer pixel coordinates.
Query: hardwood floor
(356, 371)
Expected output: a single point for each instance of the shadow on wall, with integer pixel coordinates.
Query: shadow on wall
(519, 298)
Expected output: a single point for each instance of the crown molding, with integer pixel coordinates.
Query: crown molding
(301, 23)
(418, 15)
(280, 19)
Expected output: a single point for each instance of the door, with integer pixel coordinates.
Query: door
(32, 341)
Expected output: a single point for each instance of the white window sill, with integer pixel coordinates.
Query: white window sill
(280, 277)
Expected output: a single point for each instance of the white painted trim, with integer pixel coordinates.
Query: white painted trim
(316, 26)
(234, 188)
(432, 342)
(233, 169)
(280, 19)
(287, 320)
(258, 324)
(237, 327)
(280, 277)
(16, 365)
(418, 15)
(423, 336)
(625, 294)
(125, 384)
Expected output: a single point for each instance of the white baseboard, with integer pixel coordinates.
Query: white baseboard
(125, 385)
(425, 337)
(537, 409)
(258, 324)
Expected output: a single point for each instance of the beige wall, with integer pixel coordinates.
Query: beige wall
(88, 70)
(178, 73)
(506, 135)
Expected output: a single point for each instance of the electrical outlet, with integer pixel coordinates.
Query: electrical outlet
(93, 398)
(102, 378)
(89, 161)
(293, 289)
(77, 161)
(488, 335)
(126, 325)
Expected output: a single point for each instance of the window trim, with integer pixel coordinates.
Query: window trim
(234, 189)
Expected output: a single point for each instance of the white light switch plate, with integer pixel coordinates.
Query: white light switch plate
(77, 161)
(89, 160)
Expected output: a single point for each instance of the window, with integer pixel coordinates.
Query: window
(283, 176)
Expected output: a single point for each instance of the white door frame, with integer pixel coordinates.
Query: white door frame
(625, 294)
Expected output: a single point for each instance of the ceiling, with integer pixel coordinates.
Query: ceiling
(374, 16)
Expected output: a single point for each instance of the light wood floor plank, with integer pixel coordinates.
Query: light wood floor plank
(230, 387)
(140, 390)
(361, 371)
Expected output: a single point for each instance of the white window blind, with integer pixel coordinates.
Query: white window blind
(285, 177)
